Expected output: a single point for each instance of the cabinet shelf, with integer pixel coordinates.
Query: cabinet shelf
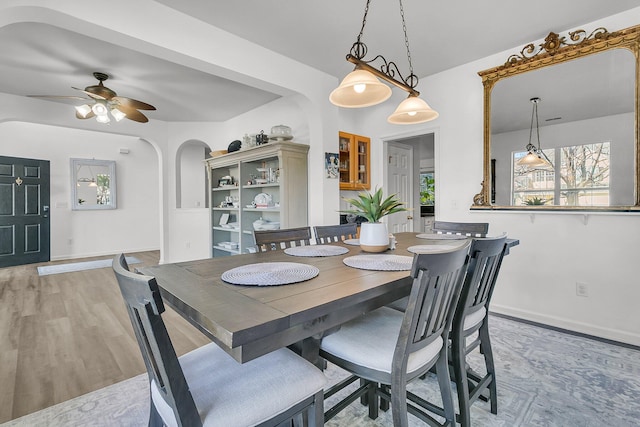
(231, 230)
(230, 187)
(231, 251)
(226, 209)
(270, 184)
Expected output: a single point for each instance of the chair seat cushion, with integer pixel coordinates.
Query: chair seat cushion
(472, 319)
(228, 393)
(370, 342)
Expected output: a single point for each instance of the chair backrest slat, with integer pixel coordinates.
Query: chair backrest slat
(271, 240)
(335, 233)
(144, 305)
(475, 229)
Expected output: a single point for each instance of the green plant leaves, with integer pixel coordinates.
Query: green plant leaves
(373, 206)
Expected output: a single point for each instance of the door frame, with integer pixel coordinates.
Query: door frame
(398, 137)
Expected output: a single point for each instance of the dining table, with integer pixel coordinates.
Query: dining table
(249, 321)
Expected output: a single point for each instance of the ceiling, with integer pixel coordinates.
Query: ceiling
(41, 59)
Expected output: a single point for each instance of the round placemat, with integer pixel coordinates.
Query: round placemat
(379, 262)
(355, 242)
(433, 236)
(429, 249)
(316, 250)
(270, 274)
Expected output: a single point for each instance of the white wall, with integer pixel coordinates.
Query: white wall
(538, 279)
(133, 226)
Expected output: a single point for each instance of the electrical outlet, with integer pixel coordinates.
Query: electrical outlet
(582, 289)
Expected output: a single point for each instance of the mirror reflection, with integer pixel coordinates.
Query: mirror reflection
(584, 129)
(561, 124)
(93, 184)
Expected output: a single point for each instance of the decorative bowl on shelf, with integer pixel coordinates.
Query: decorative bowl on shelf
(263, 200)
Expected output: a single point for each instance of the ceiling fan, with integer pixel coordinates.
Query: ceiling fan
(105, 103)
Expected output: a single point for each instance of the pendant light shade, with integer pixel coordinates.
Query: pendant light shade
(412, 110)
(533, 160)
(359, 89)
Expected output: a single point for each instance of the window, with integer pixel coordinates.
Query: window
(580, 178)
(427, 188)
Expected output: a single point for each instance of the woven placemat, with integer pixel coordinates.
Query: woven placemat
(429, 249)
(270, 274)
(316, 250)
(379, 262)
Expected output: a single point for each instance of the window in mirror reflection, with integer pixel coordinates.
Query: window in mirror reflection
(581, 178)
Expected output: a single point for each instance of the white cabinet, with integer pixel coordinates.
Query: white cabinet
(277, 169)
(428, 223)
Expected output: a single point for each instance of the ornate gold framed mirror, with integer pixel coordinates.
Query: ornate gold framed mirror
(561, 125)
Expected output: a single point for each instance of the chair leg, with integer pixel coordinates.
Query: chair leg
(399, 402)
(373, 400)
(155, 420)
(384, 403)
(458, 362)
(442, 370)
(491, 370)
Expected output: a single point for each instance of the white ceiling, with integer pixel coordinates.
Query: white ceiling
(41, 59)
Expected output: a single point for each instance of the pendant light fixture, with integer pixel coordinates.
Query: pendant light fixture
(535, 157)
(362, 87)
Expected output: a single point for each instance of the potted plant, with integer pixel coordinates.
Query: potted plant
(374, 236)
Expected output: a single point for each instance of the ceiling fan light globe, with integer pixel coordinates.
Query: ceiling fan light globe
(103, 119)
(117, 114)
(360, 89)
(99, 109)
(83, 110)
(411, 111)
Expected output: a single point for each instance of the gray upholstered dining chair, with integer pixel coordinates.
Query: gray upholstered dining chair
(207, 387)
(272, 240)
(471, 320)
(474, 229)
(335, 233)
(387, 348)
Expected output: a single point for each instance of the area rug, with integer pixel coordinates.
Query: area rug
(545, 378)
(45, 270)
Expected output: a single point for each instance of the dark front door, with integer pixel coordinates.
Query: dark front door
(24, 211)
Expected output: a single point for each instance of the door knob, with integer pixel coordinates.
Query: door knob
(409, 217)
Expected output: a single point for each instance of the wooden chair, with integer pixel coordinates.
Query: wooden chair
(272, 240)
(335, 233)
(485, 259)
(471, 318)
(474, 229)
(387, 348)
(207, 387)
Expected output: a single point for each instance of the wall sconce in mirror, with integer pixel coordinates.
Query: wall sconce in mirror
(93, 184)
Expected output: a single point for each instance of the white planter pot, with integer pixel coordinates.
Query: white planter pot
(374, 237)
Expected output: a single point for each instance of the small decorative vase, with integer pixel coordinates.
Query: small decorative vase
(374, 237)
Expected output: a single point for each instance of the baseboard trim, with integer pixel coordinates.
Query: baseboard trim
(502, 312)
(99, 254)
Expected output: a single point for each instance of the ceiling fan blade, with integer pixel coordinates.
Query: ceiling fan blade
(92, 95)
(88, 116)
(57, 97)
(132, 103)
(132, 113)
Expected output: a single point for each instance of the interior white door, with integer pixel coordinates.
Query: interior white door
(400, 182)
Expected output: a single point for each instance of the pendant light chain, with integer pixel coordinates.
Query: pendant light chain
(406, 41)
(364, 20)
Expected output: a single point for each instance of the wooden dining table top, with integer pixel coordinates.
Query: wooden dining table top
(250, 321)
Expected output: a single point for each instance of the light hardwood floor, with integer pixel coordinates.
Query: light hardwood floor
(65, 335)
